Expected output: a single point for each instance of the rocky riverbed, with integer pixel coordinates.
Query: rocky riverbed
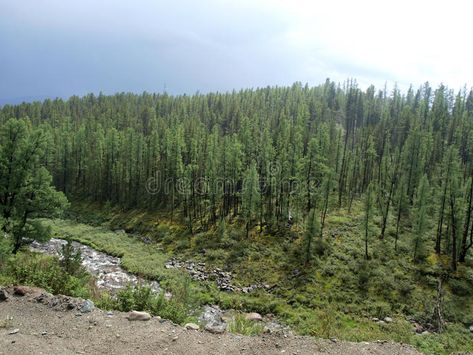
(105, 268)
(112, 277)
(199, 272)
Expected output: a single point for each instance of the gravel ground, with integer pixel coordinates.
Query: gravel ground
(43, 330)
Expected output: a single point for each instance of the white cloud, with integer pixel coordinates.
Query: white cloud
(224, 44)
(408, 41)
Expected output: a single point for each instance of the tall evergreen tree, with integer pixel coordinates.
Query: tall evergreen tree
(250, 197)
(25, 184)
(420, 226)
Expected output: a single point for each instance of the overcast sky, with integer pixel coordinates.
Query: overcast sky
(60, 48)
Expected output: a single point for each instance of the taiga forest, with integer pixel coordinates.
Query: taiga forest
(341, 208)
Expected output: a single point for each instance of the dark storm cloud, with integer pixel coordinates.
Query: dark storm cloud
(59, 48)
(51, 48)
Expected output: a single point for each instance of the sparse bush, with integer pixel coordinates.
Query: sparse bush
(106, 301)
(6, 322)
(71, 259)
(379, 309)
(5, 248)
(460, 287)
(46, 272)
(240, 325)
(364, 275)
(142, 298)
(405, 287)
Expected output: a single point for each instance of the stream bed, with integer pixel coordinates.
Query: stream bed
(112, 277)
(104, 267)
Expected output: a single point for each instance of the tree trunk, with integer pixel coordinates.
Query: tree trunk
(454, 234)
(464, 243)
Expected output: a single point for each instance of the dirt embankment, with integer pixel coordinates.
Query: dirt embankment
(37, 325)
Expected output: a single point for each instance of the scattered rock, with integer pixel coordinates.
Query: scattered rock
(417, 328)
(388, 319)
(425, 332)
(254, 316)
(211, 315)
(274, 327)
(216, 329)
(175, 338)
(471, 328)
(106, 268)
(21, 290)
(223, 279)
(3, 295)
(374, 319)
(14, 331)
(138, 316)
(191, 326)
(87, 306)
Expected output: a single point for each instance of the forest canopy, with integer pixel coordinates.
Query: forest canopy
(269, 156)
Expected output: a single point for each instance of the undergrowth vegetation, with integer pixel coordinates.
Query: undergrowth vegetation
(240, 325)
(336, 295)
(142, 298)
(28, 268)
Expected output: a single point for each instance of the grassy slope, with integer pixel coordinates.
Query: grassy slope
(335, 296)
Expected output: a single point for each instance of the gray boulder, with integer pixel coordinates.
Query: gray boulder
(254, 317)
(191, 326)
(3, 295)
(87, 306)
(138, 316)
(216, 329)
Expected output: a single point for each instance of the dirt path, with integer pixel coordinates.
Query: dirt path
(42, 330)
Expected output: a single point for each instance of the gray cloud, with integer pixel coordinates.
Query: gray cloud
(60, 48)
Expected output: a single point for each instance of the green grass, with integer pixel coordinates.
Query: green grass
(137, 257)
(240, 325)
(35, 269)
(334, 296)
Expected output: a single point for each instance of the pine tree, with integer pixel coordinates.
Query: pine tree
(420, 226)
(312, 232)
(25, 184)
(368, 216)
(250, 197)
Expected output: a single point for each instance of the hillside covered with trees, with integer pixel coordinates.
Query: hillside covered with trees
(356, 200)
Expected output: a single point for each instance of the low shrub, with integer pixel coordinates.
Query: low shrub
(240, 325)
(142, 298)
(43, 271)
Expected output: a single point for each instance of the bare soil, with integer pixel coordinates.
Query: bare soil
(45, 330)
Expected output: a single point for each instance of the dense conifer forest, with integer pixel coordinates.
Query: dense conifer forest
(269, 156)
(275, 163)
